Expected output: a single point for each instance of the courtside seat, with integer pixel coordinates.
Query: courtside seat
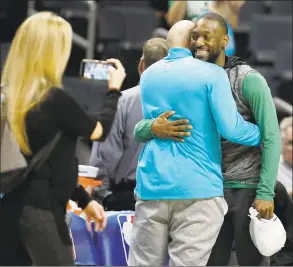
(83, 243)
(112, 245)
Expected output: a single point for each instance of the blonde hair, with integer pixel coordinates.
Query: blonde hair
(35, 63)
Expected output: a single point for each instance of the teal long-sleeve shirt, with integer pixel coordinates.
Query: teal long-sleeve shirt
(257, 94)
(189, 170)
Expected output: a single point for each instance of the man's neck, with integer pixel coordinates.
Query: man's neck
(221, 60)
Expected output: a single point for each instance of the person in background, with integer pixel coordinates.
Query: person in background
(285, 167)
(229, 10)
(179, 188)
(117, 156)
(185, 10)
(161, 9)
(249, 173)
(191, 10)
(33, 230)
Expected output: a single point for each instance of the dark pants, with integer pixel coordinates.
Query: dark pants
(236, 228)
(29, 236)
(284, 211)
(122, 197)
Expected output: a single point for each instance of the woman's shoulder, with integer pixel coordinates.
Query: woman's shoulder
(57, 96)
(57, 93)
(57, 100)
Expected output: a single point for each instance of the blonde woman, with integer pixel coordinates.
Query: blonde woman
(32, 224)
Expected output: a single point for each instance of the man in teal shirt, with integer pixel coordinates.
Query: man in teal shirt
(180, 185)
(249, 174)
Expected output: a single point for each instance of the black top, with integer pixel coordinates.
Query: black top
(283, 210)
(56, 181)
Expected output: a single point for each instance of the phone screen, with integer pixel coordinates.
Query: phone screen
(95, 70)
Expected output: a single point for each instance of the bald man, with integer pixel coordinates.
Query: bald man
(180, 206)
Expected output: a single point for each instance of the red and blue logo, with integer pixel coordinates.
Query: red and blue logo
(125, 222)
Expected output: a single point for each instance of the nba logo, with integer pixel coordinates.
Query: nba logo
(125, 223)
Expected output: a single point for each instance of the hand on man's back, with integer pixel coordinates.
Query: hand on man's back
(174, 130)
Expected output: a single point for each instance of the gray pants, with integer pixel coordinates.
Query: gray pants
(184, 229)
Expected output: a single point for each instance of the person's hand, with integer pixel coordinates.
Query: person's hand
(265, 208)
(175, 130)
(116, 74)
(94, 211)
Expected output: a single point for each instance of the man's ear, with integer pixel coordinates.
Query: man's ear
(225, 41)
(141, 66)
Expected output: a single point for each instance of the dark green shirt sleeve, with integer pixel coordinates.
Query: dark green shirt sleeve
(258, 95)
(143, 131)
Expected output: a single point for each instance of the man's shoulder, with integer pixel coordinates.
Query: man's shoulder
(252, 76)
(244, 69)
(200, 65)
(246, 73)
(129, 95)
(129, 107)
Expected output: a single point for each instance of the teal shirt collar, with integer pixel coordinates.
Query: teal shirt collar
(178, 52)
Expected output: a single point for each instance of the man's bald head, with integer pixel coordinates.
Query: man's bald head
(180, 34)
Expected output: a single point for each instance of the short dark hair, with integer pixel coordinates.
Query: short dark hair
(154, 50)
(215, 17)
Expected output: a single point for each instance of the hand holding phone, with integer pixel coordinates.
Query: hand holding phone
(116, 75)
(95, 69)
(110, 70)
